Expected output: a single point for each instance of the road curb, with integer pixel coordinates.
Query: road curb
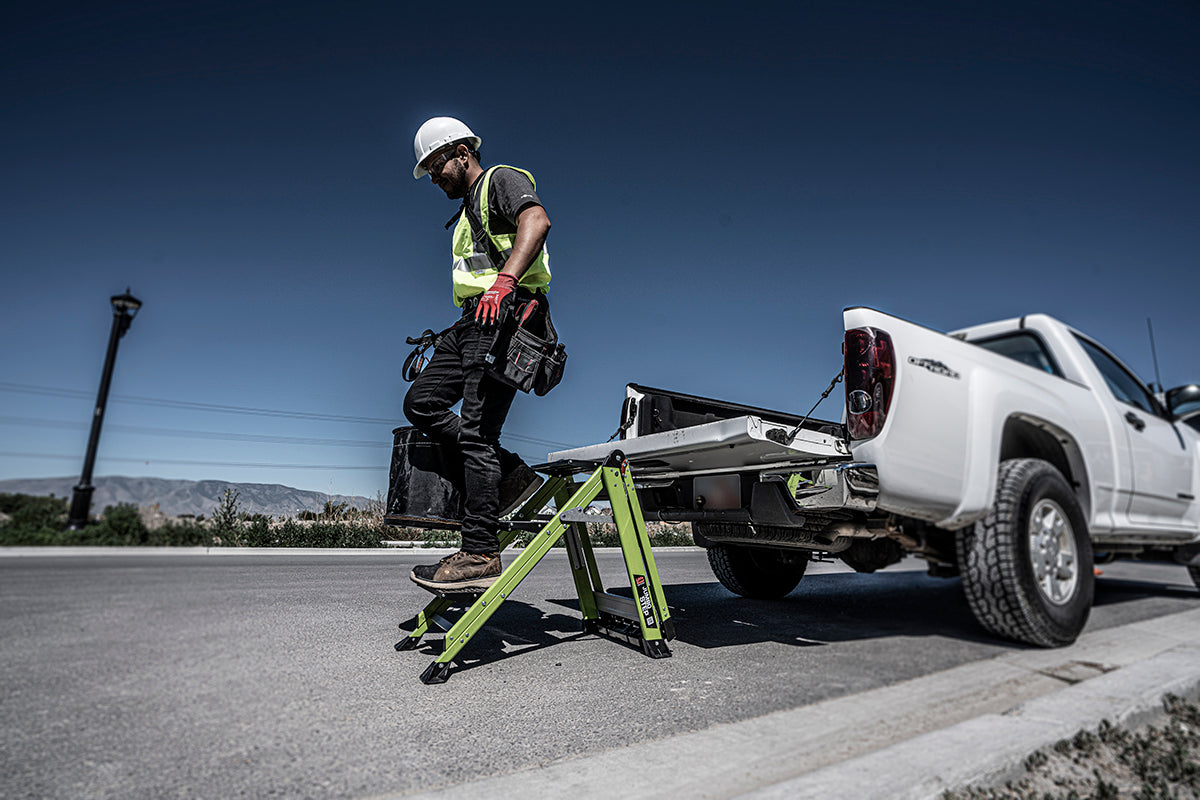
(992, 748)
(975, 723)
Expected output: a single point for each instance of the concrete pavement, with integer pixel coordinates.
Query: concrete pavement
(913, 740)
(174, 656)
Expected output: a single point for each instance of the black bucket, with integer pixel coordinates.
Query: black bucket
(419, 492)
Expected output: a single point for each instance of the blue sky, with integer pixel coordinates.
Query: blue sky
(723, 180)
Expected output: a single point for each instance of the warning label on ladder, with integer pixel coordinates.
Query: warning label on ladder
(643, 592)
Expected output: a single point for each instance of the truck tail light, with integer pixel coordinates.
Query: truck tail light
(870, 375)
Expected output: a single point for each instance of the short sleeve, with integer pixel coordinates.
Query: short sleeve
(510, 192)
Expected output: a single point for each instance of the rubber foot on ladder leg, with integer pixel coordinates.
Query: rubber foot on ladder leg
(435, 673)
(656, 648)
(591, 626)
(408, 643)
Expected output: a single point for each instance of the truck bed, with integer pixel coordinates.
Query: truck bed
(665, 431)
(649, 410)
(723, 445)
(702, 460)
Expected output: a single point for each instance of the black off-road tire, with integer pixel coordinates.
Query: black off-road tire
(757, 572)
(996, 558)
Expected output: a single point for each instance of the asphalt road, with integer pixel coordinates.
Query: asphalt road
(259, 675)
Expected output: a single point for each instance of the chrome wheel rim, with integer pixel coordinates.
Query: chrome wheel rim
(1053, 553)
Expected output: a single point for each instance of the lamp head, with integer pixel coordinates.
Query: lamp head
(125, 303)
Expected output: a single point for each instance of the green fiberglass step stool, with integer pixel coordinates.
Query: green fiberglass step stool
(643, 620)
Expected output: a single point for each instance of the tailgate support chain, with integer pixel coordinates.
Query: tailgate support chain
(644, 621)
(779, 437)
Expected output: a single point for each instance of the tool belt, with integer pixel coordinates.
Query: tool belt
(527, 354)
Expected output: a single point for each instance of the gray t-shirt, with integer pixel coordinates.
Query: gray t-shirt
(509, 192)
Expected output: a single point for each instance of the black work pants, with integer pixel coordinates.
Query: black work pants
(457, 372)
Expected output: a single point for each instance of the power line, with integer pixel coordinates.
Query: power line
(54, 391)
(190, 434)
(187, 462)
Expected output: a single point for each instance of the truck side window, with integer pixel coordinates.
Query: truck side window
(1023, 347)
(1124, 386)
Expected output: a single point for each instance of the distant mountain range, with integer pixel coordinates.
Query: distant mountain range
(175, 497)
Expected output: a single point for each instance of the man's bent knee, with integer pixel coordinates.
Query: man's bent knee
(420, 414)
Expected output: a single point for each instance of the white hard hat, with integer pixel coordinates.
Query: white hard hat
(435, 134)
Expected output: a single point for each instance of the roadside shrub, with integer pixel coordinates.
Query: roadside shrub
(185, 533)
(34, 520)
(293, 533)
(661, 534)
(440, 538)
(225, 517)
(31, 516)
(120, 525)
(669, 534)
(39, 510)
(41, 521)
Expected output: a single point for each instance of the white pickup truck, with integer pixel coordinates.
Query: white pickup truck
(1015, 454)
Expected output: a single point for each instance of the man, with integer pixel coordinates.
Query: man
(500, 265)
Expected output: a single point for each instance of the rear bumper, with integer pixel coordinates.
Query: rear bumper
(853, 487)
(744, 471)
(810, 498)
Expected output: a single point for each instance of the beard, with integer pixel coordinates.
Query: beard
(453, 180)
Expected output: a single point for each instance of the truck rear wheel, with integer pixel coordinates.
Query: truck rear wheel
(1027, 566)
(757, 572)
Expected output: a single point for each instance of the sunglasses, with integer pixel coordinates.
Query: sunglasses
(437, 162)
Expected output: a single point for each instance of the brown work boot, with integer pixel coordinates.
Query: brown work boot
(459, 571)
(517, 486)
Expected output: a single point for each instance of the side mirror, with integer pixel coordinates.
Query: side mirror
(1184, 402)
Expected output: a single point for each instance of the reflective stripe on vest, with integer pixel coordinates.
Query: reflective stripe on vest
(474, 272)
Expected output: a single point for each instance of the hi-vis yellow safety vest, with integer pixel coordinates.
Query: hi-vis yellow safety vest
(474, 271)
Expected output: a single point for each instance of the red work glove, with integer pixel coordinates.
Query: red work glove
(490, 305)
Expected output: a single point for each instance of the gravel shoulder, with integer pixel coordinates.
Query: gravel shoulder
(1112, 761)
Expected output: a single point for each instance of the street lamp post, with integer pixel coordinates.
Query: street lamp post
(125, 308)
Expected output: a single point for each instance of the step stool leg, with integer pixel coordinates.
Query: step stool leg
(422, 622)
(647, 552)
(433, 611)
(473, 620)
(589, 557)
(483, 608)
(578, 551)
(649, 614)
(591, 622)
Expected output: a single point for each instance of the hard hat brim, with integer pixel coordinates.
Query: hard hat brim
(471, 141)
